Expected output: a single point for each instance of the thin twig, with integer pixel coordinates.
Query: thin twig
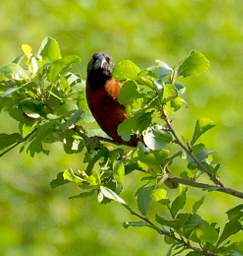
(200, 165)
(195, 184)
(168, 233)
(81, 132)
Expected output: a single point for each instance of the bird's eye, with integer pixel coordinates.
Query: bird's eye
(108, 59)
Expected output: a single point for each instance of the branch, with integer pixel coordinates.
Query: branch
(82, 133)
(168, 233)
(195, 184)
(200, 165)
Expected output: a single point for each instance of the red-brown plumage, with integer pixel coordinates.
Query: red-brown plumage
(102, 93)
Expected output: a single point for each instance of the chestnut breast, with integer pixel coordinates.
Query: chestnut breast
(108, 112)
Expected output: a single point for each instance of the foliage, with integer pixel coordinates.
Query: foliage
(47, 100)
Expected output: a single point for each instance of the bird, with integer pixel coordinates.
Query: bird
(102, 92)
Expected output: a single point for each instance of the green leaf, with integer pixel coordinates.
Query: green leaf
(202, 125)
(198, 204)
(177, 103)
(125, 69)
(60, 65)
(119, 171)
(134, 125)
(164, 221)
(27, 50)
(151, 159)
(155, 138)
(32, 108)
(236, 248)
(69, 175)
(195, 63)
(144, 199)
(169, 92)
(128, 93)
(13, 71)
(73, 119)
(160, 195)
(70, 144)
(43, 132)
(180, 88)
(205, 232)
(236, 212)
(178, 203)
(230, 228)
(199, 151)
(15, 89)
(110, 194)
(188, 222)
(7, 140)
(49, 49)
(58, 181)
(160, 70)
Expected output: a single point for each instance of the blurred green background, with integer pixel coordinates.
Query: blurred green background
(36, 220)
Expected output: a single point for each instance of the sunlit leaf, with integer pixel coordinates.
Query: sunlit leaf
(136, 124)
(129, 93)
(50, 49)
(202, 125)
(160, 195)
(169, 92)
(195, 63)
(125, 69)
(69, 175)
(119, 171)
(155, 138)
(110, 194)
(60, 65)
(27, 50)
(13, 71)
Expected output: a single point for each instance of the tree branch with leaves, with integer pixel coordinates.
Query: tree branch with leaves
(40, 91)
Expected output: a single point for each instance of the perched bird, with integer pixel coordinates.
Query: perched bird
(102, 92)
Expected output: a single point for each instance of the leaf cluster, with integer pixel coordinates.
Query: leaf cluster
(40, 91)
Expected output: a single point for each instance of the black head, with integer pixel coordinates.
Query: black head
(100, 67)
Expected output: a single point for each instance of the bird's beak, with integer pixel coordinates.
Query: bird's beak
(100, 63)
